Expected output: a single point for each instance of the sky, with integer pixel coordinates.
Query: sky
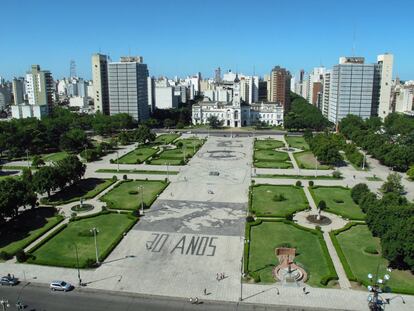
(180, 38)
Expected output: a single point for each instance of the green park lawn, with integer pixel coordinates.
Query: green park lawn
(297, 142)
(264, 202)
(8, 174)
(60, 249)
(85, 188)
(267, 158)
(268, 144)
(54, 157)
(307, 160)
(127, 195)
(165, 139)
(176, 156)
(26, 228)
(353, 243)
(138, 155)
(150, 172)
(338, 201)
(267, 236)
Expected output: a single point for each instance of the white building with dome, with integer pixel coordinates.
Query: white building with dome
(236, 113)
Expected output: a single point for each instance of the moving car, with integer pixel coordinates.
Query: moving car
(9, 280)
(60, 285)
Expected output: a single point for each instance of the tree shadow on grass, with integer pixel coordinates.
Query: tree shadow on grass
(79, 189)
(20, 227)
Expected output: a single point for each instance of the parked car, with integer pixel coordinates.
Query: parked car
(9, 280)
(60, 285)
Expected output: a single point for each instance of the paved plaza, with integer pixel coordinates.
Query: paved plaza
(195, 230)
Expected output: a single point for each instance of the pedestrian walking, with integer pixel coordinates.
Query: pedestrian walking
(217, 277)
(191, 300)
(196, 300)
(205, 291)
(304, 290)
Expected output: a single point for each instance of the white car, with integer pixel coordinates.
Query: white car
(60, 285)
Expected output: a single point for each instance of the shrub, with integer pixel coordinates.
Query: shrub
(284, 244)
(279, 197)
(114, 178)
(5, 255)
(125, 177)
(21, 256)
(371, 250)
(147, 162)
(298, 183)
(133, 192)
(111, 161)
(249, 218)
(311, 183)
(255, 276)
(358, 192)
(90, 263)
(336, 174)
(180, 144)
(85, 233)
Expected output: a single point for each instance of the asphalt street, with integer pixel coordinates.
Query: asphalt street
(37, 297)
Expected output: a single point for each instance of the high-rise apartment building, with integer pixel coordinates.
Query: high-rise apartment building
(385, 64)
(40, 92)
(18, 90)
(326, 92)
(39, 87)
(353, 89)
(280, 86)
(100, 83)
(128, 88)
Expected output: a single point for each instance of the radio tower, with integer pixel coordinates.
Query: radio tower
(72, 69)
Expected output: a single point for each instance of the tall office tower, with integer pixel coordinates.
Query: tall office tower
(100, 83)
(262, 94)
(385, 63)
(353, 89)
(280, 86)
(217, 75)
(253, 89)
(326, 92)
(151, 93)
(39, 87)
(5, 96)
(18, 90)
(128, 88)
(244, 89)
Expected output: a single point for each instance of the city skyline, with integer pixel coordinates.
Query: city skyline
(197, 38)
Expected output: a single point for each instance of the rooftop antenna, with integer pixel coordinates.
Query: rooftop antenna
(353, 41)
(72, 72)
(254, 70)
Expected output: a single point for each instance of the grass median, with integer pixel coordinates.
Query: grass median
(127, 195)
(277, 201)
(60, 249)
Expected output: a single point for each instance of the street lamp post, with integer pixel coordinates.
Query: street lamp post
(168, 172)
(316, 167)
(363, 162)
(117, 160)
(77, 264)
(27, 158)
(375, 301)
(4, 303)
(95, 231)
(142, 199)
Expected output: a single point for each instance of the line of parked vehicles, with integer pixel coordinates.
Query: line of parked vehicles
(11, 280)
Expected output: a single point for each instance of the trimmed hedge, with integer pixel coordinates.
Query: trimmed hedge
(44, 241)
(341, 255)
